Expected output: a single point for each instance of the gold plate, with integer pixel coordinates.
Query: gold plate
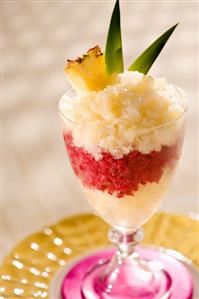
(28, 270)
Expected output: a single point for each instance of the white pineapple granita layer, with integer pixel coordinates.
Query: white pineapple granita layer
(122, 117)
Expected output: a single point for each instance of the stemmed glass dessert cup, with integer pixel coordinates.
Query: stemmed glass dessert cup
(126, 192)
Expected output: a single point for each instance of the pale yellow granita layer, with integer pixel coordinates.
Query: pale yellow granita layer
(118, 118)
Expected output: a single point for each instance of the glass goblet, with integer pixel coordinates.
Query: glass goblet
(126, 192)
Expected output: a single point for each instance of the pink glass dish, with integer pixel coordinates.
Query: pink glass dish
(176, 282)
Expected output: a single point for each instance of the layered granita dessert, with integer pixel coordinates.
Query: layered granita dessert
(123, 131)
(123, 135)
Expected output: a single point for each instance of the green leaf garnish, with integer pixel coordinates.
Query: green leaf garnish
(144, 62)
(113, 52)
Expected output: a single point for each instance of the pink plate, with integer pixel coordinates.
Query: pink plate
(176, 275)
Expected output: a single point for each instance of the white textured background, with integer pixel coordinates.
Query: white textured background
(38, 37)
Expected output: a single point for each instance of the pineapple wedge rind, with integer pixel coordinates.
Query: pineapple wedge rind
(88, 72)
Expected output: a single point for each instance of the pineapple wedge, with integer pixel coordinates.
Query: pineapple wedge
(88, 73)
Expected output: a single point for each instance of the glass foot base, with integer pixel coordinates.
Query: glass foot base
(127, 286)
(172, 279)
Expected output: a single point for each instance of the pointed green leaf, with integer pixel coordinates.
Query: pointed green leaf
(113, 52)
(144, 62)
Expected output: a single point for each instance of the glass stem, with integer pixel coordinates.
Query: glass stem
(125, 241)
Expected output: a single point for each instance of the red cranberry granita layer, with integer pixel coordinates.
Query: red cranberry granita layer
(120, 176)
